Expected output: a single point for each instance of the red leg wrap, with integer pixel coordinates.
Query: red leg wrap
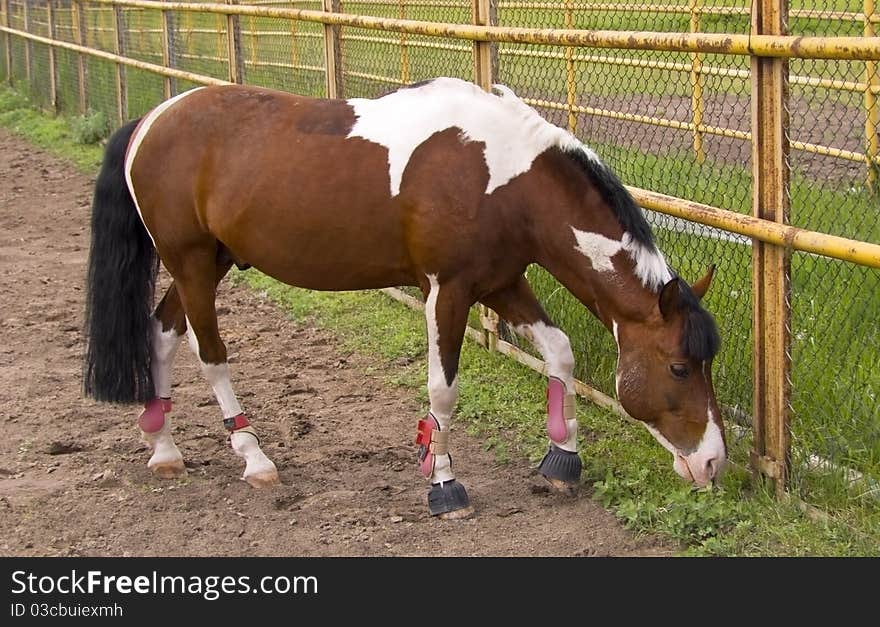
(153, 417)
(236, 422)
(432, 442)
(557, 429)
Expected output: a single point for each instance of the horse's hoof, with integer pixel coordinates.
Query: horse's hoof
(562, 470)
(262, 480)
(174, 469)
(562, 487)
(449, 501)
(459, 514)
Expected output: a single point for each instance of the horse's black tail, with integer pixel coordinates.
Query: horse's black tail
(120, 287)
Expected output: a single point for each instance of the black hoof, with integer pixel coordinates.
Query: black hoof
(561, 467)
(448, 497)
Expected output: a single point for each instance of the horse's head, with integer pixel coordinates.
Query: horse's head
(664, 379)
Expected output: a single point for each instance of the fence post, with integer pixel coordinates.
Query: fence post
(53, 65)
(485, 66)
(771, 264)
(7, 39)
(697, 104)
(28, 44)
(78, 18)
(233, 46)
(570, 79)
(119, 48)
(332, 53)
(404, 51)
(168, 53)
(294, 45)
(872, 105)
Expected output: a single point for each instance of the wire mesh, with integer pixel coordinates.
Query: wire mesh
(284, 54)
(375, 62)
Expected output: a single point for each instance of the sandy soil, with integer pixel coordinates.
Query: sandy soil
(73, 475)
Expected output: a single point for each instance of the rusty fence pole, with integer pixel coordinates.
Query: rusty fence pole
(169, 55)
(233, 47)
(7, 41)
(53, 60)
(404, 49)
(570, 77)
(78, 21)
(28, 44)
(771, 452)
(485, 68)
(333, 81)
(697, 81)
(872, 104)
(119, 48)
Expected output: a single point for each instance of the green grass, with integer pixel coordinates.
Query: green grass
(503, 403)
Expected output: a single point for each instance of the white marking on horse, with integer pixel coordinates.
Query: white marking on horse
(138, 138)
(650, 265)
(711, 446)
(662, 439)
(218, 376)
(165, 345)
(597, 248)
(513, 133)
(165, 451)
(555, 348)
(616, 332)
(442, 395)
(696, 467)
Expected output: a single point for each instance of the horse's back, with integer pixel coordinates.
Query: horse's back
(333, 194)
(274, 178)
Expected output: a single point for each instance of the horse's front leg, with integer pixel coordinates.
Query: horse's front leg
(517, 304)
(446, 312)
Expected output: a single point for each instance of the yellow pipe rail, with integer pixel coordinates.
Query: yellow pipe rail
(696, 76)
(813, 14)
(115, 58)
(862, 253)
(432, 45)
(777, 46)
(872, 105)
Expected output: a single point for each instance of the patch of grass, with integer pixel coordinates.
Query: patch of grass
(91, 128)
(53, 133)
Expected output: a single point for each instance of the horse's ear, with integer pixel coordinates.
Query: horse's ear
(670, 298)
(702, 286)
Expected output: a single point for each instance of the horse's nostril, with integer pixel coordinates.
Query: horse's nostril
(712, 467)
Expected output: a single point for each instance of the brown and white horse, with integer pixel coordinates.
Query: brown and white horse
(438, 185)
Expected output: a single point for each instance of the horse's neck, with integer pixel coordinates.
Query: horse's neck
(583, 246)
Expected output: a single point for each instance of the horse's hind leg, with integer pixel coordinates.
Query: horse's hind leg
(517, 304)
(196, 283)
(169, 326)
(446, 311)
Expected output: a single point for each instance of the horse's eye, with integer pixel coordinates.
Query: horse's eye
(679, 371)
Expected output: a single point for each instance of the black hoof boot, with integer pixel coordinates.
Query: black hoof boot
(562, 469)
(449, 500)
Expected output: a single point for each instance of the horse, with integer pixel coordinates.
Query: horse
(439, 185)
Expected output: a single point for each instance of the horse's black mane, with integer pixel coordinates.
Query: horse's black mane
(700, 339)
(628, 213)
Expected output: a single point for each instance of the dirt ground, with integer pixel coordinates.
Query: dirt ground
(73, 475)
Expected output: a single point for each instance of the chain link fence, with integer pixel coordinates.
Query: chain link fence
(677, 123)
